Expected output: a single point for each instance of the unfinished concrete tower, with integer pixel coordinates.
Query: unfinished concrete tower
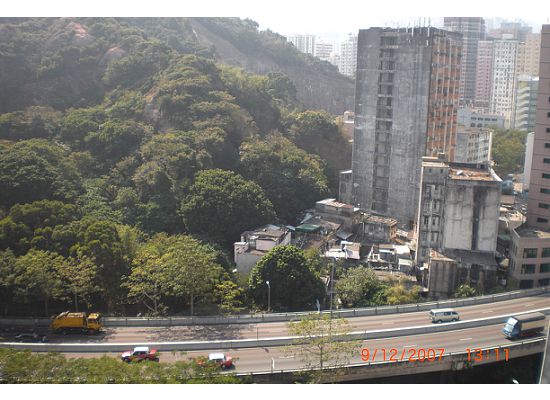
(407, 91)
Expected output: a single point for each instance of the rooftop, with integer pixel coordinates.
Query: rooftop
(267, 232)
(471, 174)
(526, 231)
(334, 203)
(434, 255)
(381, 220)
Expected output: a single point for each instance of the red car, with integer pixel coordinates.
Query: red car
(139, 354)
(221, 359)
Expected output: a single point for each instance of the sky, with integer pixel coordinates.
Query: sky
(327, 19)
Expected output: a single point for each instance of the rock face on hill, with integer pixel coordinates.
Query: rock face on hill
(318, 86)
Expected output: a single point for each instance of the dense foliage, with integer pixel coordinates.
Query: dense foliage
(26, 367)
(360, 287)
(293, 285)
(130, 161)
(508, 151)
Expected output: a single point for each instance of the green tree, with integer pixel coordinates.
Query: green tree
(465, 291)
(251, 92)
(37, 277)
(293, 284)
(230, 297)
(34, 170)
(78, 279)
(321, 344)
(116, 139)
(310, 124)
(171, 268)
(148, 282)
(508, 151)
(398, 294)
(192, 270)
(292, 179)
(359, 287)
(99, 240)
(33, 122)
(78, 123)
(8, 279)
(221, 205)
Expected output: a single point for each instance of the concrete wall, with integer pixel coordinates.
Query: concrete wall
(387, 178)
(265, 245)
(344, 191)
(442, 279)
(464, 199)
(245, 261)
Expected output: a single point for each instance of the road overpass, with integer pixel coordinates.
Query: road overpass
(261, 355)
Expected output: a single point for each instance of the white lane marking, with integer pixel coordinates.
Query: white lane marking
(288, 357)
(468, 338)
(388, 323)
(529, 305)
(487, 312)
(410, 345)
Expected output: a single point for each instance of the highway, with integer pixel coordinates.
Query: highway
(261, 359)
(279, 329)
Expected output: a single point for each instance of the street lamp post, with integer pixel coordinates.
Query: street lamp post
(268, 295)
(332, 284)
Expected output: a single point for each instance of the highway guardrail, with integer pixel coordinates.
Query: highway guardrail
(267, 342)
(283, 317)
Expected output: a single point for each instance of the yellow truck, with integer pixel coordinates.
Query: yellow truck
(77, 322)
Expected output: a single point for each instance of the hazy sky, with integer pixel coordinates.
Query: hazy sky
(329, 19)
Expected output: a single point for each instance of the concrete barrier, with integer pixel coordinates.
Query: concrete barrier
(268, 342)
(282, 317)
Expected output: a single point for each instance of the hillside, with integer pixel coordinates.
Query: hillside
(132, 158)
(43, 57)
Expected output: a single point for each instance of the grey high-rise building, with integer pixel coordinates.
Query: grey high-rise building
(472, 30)
(405, 107)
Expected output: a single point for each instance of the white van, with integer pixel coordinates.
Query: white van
(444, 315)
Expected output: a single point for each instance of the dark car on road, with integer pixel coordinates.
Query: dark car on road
(31, 338)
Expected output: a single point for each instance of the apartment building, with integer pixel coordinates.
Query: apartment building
(472, 30)
(406, 107)
(504, 79)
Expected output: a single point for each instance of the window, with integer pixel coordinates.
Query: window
(544, 205)
(545, 176)
(546, 160)
(544, 268)
(529, 253)
(426, 220)
(546, 252)
(547, 145)
(547, 130)
(528, 268)
(546, 191)
(542, 220)
(544, 282)
(548, 115)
